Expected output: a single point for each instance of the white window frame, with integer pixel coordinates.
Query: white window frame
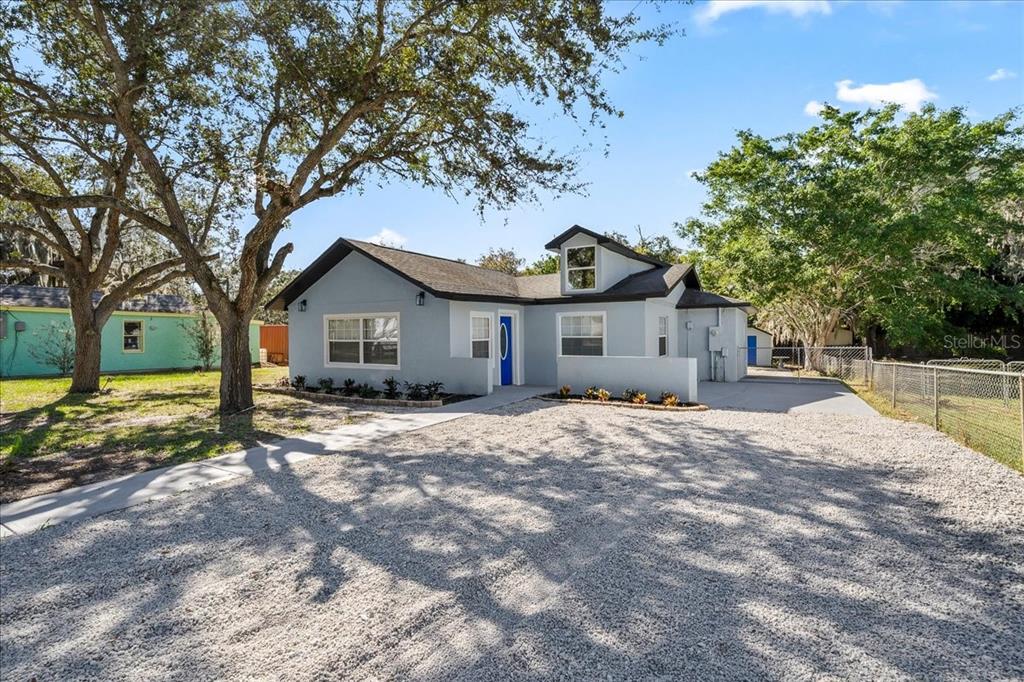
(142, 337)
(361, 364)
(582, 313)
(490, 340)
(662, 336)
(569, 270)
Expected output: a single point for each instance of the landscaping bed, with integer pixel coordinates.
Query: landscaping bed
(411, 394)
(319, 395)
(620, 402)
(630, 398)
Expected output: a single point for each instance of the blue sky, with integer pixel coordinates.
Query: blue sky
(740, 65)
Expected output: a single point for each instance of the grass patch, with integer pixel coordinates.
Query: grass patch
(50, 440)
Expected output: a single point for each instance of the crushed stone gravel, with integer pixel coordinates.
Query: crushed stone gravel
(549, 541)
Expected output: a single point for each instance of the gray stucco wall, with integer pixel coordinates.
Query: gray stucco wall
(649, 375)
(358, 285)
(624, 334)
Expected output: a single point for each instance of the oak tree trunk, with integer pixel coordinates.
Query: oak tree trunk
(85, 375)
(235, 365)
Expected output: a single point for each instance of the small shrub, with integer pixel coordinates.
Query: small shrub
(639, 398)
(391, 388)
(415, 391)
(434, 389)
(282, 382)
(366, 391)
(590, 393)
(628, 394)
(669, 399)
(348, 387)
(564, 391)
(603, 395)
(299, 382)
(326, 384)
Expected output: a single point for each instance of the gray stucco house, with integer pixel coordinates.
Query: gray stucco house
(610, 317)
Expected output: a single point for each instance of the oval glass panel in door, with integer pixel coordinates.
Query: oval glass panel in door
(503, 342)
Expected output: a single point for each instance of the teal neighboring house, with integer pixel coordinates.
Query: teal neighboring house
(146, 334)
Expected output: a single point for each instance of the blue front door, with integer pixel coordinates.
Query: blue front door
(751, 350)
(505, 348)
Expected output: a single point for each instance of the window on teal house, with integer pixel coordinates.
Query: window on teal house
(131, 338)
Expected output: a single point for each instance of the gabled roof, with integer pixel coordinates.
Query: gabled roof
(694, 298)
(456, 280)
(57, 297)
(603, 240)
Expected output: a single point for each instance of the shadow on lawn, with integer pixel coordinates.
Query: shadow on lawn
(696, 551)
(84, 438)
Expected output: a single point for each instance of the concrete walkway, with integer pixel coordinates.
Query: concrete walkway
(33, 513)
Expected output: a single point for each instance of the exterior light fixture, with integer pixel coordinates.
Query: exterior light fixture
(302, 306)
(420, 298)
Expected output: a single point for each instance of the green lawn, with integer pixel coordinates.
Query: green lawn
(50, 440)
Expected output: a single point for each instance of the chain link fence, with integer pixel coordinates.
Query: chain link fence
(982, 408)
(849, 363)
(976, 401)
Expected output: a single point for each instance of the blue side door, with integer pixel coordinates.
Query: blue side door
(752, 350)
(505, 348)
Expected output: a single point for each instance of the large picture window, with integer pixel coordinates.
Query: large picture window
(480, 336)
(131, 336)
(362, 339)
(581, 267)
(581, 334)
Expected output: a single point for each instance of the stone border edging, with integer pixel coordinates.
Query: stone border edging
(349, 398)
(634, 406)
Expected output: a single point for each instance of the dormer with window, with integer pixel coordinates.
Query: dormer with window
(591, 263)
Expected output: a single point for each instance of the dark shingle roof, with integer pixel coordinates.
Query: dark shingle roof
(441, 274)
(694, 298)
(57, 297)
(447, 278)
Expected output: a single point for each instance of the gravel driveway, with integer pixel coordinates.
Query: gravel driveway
(547, 540)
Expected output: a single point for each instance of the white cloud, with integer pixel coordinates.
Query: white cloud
(909, 94)
(1001, 74)
(388, 237)
(813, 108)
(715, 9)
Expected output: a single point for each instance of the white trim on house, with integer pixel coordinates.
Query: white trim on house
(570, 270)
(662, 335)
(142, 336)
(490, 340)
(581, 313)
(361, 341)
(518, 354)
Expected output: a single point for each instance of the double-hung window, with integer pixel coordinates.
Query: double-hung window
(362, 339)
(662, 336)
(581, 334)
(131, 336)
(581, 267)
(480, 336)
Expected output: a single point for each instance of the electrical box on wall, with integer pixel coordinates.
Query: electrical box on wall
(714, 338)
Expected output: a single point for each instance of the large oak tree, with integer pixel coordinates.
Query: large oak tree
(872, 218)
(287, 102)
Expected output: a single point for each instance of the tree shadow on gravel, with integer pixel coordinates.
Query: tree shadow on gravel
(660, 547)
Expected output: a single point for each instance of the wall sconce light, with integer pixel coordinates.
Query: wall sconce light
(420, 298)
(302, 306)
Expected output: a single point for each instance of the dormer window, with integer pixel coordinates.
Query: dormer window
(581, 267)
